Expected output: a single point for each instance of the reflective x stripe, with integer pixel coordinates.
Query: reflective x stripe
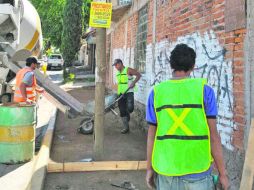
(179, 122)
(29, 88)
(18, 95)
(30, 95)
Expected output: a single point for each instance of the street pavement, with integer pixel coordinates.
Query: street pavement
(56, 76)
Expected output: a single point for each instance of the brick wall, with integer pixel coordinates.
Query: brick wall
(201, 25)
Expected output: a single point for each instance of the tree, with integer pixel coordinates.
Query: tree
(72, 29)
(51, 14)
(87, 6)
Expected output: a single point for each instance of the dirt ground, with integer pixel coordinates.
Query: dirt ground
(70, 146)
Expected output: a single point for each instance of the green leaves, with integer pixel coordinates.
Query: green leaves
(52, 13)
(72, 29)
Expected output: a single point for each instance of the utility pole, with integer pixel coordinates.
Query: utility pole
(247, 175)
(249, 67)
(100, 77)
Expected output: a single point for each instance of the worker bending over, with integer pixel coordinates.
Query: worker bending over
(126, 84)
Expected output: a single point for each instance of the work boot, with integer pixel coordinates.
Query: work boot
(125, 125)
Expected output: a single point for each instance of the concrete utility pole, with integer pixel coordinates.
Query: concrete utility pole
(251, 38)
(249, 67)
(100, 77)
(247, 175)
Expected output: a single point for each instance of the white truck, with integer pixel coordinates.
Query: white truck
(55, 60)
(21, 37)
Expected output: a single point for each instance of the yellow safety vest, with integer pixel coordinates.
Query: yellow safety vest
(182, 142)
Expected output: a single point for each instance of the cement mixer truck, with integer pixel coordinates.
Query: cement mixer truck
(21, 37)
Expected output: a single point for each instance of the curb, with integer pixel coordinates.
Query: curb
(40, 165)
(78, 85)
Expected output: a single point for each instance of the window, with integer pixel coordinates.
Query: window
(55, 57)
(140, 50)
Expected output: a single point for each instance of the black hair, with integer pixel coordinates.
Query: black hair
(182, 58)
(31, 60)
(118, 61)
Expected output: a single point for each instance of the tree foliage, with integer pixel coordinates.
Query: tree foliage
(51, 14)
(87, 6)
(72, 29)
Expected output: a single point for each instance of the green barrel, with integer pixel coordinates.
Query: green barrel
(17, 133)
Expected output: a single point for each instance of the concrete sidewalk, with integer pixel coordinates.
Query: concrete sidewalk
(19, 177)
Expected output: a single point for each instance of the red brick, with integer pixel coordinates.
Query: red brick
(239, 119)
(239, 62)
(240, 31)
(229, 40)
(218, 15)
(238, 140)
(239, 40)
(238, 47)
(239, 53)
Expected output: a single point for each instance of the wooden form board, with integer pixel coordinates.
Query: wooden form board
(60, 95)
(248, 168)
(54, 167)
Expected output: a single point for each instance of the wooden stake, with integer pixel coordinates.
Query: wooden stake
(248, 168)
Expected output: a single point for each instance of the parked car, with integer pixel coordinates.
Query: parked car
(55, 60)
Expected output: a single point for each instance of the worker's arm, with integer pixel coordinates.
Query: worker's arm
(39, 89)
(149, 171)
(217, 153)
(22, 88)
(137, 75)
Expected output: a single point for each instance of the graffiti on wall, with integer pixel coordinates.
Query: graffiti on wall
(210, 64)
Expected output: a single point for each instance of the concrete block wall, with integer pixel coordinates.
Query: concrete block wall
(220, 59)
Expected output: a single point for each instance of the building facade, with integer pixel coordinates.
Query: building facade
(146, 31)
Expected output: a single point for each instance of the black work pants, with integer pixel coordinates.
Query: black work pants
(126, 104)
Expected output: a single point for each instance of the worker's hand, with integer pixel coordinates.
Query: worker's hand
(40, 90)
(150, 178)
(28, 101)
(224, 182)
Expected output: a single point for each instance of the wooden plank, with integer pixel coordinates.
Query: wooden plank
(59, 94)
(248, 168)
(61, 107)
(97, 166)
(55, 167)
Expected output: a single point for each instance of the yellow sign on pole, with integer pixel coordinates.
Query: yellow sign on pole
(100, 15)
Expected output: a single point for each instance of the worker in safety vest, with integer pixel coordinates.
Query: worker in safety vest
(182, 139)
(126, 83)
(26, 86)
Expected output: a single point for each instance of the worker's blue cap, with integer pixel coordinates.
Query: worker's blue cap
(32, 60)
